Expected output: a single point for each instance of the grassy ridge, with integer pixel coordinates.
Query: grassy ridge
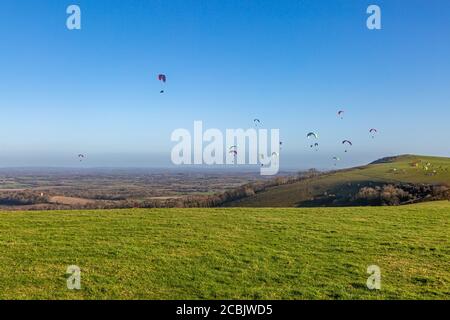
(396, 170)
(240, 253)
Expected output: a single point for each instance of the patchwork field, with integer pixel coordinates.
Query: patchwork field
(103, 188)
(233, 253)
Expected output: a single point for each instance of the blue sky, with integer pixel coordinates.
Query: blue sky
(292, 64)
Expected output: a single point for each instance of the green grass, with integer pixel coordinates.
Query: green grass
(317, 253)
(347, 181)
(405, 172)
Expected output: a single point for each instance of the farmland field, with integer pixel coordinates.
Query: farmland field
(227, 253)
(101, 188)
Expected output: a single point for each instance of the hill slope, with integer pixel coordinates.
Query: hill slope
(315, 191)
(233, 253)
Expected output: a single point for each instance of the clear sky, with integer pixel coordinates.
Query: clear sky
(291, 63)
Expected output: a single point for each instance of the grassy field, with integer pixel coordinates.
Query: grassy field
(237, 253)
(397, 170)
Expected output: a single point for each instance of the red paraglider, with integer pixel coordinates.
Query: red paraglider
(162, 77)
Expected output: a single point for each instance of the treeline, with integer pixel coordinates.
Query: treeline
(21, 198)
(400, 194)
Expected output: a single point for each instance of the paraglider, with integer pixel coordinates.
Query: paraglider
(313, 135)
(81, 157)
(348, 142)
(162, 78)
(234, 153)
(257, 122)
(316, 145)
(233, 149)
(336, 159)
(373, 132)
(341, 113)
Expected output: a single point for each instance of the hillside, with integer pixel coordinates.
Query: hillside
(319, 191)
(232, 253)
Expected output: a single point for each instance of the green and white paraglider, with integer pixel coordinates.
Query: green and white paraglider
(336, 159)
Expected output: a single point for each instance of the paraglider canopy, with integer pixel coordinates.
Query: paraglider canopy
(341, 113)
(336, 159)
(317, 146)
(373, 131)
(257, 122)
(162, 77)
(348, 142)
(312, 135)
